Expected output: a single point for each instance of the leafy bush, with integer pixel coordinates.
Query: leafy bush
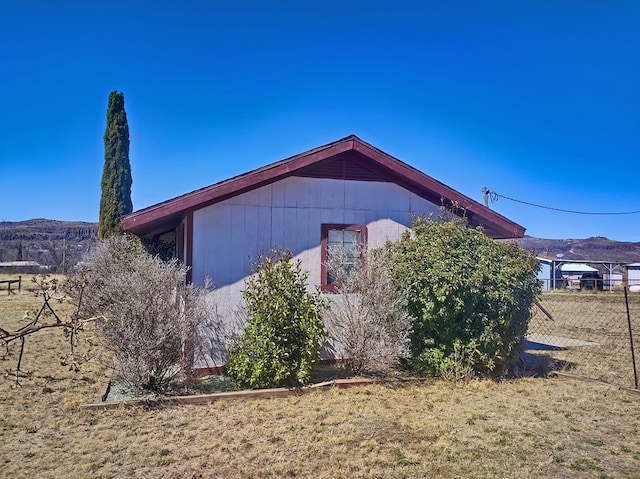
(146, 316)
(470, 297)
(281, 341)
(367, 317)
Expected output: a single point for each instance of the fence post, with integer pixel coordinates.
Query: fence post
(633, 353)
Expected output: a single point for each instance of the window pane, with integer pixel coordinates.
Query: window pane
(351, 236)
(352, 249)
(335, 236)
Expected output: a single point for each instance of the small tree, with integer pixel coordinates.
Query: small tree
(147, 317)
(367, 316)
(281, 341)
(115, 201)
(470, 297)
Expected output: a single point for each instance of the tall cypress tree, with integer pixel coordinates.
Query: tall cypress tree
(116, 176)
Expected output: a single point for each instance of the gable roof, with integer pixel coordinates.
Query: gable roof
(349, 158)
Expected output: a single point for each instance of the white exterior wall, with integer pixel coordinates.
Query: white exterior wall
(288, 214)
(633, 275)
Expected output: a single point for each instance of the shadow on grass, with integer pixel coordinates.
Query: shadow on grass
(533, 363)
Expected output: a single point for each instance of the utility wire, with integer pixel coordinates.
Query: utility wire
(494, 197)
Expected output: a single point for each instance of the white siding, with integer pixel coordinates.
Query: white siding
(288, 214)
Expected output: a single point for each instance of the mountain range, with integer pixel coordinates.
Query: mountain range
(595, 248)
(59, 245)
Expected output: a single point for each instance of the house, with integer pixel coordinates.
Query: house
(341, 192)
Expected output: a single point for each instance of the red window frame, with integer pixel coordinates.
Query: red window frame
(324, 240)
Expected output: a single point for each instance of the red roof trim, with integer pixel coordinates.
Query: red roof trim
(170, 212)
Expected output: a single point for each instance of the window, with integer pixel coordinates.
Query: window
(353, 238)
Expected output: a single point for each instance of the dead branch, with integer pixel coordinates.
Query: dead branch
(9, 336)
(71, 327)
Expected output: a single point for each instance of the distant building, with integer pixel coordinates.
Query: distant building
(549, 274)
(633, 274)
(575, 270)
(558, 273)
(27, 267)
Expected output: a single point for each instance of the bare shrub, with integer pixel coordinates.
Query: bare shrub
(147, 316)
(367, 317)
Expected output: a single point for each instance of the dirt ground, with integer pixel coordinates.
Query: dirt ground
(524, 428)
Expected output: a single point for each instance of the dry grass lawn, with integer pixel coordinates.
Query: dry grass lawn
(599, 319)
(521, 428)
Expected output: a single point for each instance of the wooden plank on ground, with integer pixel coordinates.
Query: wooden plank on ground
(230, 395)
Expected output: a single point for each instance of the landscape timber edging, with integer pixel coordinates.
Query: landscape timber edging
(246, 394)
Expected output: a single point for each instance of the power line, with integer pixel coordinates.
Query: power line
(494, 197)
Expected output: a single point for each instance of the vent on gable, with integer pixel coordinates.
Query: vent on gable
(342, 167)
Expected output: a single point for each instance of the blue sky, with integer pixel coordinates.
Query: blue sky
(537, 101)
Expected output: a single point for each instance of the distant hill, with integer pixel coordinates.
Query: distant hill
(59, 245)
(584, 250)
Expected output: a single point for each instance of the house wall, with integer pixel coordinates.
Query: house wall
(288, 214)
(633, 275)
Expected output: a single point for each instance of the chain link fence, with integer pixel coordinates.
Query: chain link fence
(589, 333)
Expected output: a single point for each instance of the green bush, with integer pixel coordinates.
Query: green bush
(281, 341)
(470, 297)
